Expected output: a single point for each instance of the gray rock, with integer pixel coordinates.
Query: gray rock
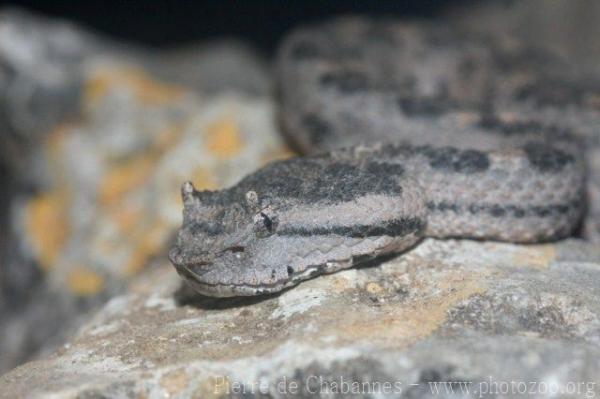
(566, 27)
(98, 138)
(449, 315)
(45, 64)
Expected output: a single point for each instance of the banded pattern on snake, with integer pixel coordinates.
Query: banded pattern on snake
(418, 165)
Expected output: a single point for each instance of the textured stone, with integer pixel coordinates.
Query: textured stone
(448, 311)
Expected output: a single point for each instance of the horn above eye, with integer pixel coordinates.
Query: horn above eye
(252, 199)
(187, 192)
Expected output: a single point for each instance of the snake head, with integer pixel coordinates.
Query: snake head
(221, 232)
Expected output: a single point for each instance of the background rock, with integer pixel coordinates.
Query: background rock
(98, 157)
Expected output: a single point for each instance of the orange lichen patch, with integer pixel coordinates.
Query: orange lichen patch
(151, 242)
(373, 288)
(126, 217)
(125, 177)
(167, 137)
(132, 173)
(203, 179)
(223, 138)
(340, 284)
(47, 225)
(175, 382)
(536, 256)
(56, 139)
(400, 326)
(146, 89)
(85, 282)
(282, 153)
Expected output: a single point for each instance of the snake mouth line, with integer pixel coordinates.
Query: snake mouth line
(232, 289)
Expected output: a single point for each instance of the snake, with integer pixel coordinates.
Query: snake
(388, 162)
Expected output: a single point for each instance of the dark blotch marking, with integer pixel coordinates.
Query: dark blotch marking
(423, 107)
(497, 211)
(541, 211)
(290, 270)
(491, 122)
(546, 158)
(444, 158)
(555, 93)
(515, 211)
(377, 168)
(510, 210)
(461, 161)
(443, 207)
(322, 180)
(393, 228)
(346, 81)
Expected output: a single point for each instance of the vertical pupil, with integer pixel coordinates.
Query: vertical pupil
(268, 223)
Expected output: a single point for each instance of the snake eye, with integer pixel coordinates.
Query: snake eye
(267, 222)
(264, 224)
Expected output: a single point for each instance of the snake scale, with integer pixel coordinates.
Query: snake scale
(410, 134)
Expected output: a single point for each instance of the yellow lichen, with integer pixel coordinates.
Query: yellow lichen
(56, 139)
(223, 138)
(145, 89)
(47, 225)
(128, 175)
(85, 282)
(175, 382)
(167, 137)
(399, 326)
(373, 288)
(536, 256)
(150, 242)
(279, 154)
(203, 179)
(126, 217)
(125, 177)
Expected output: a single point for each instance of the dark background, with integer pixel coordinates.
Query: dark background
(163, 23)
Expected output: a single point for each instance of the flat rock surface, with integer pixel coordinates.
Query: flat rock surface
(452, 312)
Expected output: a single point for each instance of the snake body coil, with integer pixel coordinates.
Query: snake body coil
(418, 166)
